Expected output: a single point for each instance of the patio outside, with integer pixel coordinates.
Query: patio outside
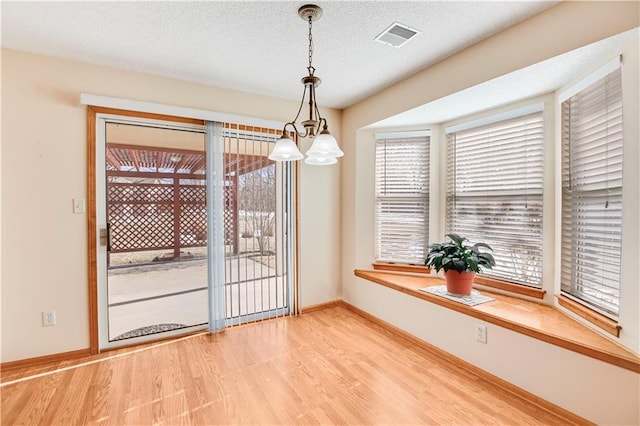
(157, 262)
(150, 297)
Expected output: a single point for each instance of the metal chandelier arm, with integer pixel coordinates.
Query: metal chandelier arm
(304, 95)
(317, 110)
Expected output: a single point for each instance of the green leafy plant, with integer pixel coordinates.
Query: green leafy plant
(458, 256)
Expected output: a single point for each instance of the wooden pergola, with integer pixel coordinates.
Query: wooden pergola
(156, 197)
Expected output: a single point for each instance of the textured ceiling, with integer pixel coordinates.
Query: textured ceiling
(259, 47)
(535, 80)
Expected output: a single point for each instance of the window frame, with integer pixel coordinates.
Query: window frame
(512, 114)
(571, 290)
(396, 197)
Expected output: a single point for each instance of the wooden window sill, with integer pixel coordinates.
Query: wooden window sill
(605, 323)
(536, 320)
(536, 293)
(398, 267)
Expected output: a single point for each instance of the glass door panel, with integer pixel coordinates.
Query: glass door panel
(257, 282)
(157, 224)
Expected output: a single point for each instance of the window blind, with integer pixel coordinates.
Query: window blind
(592, 145)
(494, 193)
(402, 199)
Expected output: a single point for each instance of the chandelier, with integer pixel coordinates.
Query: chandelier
(324, 150)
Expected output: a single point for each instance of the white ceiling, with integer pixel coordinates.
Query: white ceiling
(535, 80)
(259, 46)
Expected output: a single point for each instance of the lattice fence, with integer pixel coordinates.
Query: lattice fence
(156, 216)
(141, 216)
(231, 216)
(193, 216)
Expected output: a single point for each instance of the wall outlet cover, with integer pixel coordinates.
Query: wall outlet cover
(48, 318)
(481, 333)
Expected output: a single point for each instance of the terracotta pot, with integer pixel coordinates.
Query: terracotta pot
(459, 282)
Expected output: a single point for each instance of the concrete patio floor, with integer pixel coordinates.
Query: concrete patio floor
(176, 293)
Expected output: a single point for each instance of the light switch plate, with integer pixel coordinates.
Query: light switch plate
(79, 206)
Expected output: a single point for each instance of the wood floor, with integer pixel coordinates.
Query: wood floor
(327, 367)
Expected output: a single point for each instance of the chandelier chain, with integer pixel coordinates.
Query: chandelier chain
(311, 68)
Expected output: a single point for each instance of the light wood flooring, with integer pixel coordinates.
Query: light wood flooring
(326, 367)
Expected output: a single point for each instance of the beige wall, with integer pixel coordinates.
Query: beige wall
(580, 384)
(44, 245)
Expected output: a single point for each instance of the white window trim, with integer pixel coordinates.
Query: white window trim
(494, 118)
(596, 77)
(547, 103)
(629, 316)
(409, 134)
(569, 91)
(176, 111)
(514, 112)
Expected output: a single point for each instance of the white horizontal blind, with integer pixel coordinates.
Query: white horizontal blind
(592, 141)
(402, 199)
(494, 193)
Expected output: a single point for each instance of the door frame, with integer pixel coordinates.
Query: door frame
(92, 234)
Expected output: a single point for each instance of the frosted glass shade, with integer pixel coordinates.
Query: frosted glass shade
(325, 145)
(285, 150)
(320, 161)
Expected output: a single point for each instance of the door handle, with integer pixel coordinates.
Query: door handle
(105, 237)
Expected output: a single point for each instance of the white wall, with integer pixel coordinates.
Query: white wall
(595, 390)
(580, 384)
(630, 286)
(319, 219)
(44, 245)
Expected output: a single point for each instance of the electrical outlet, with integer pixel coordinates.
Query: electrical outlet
(481, 333)
(48, 318)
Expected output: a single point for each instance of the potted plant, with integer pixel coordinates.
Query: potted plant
(459, 261)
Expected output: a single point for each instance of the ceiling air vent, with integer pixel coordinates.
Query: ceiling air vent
(397, 35)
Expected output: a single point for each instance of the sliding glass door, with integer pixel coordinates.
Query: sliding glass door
(164, 260)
